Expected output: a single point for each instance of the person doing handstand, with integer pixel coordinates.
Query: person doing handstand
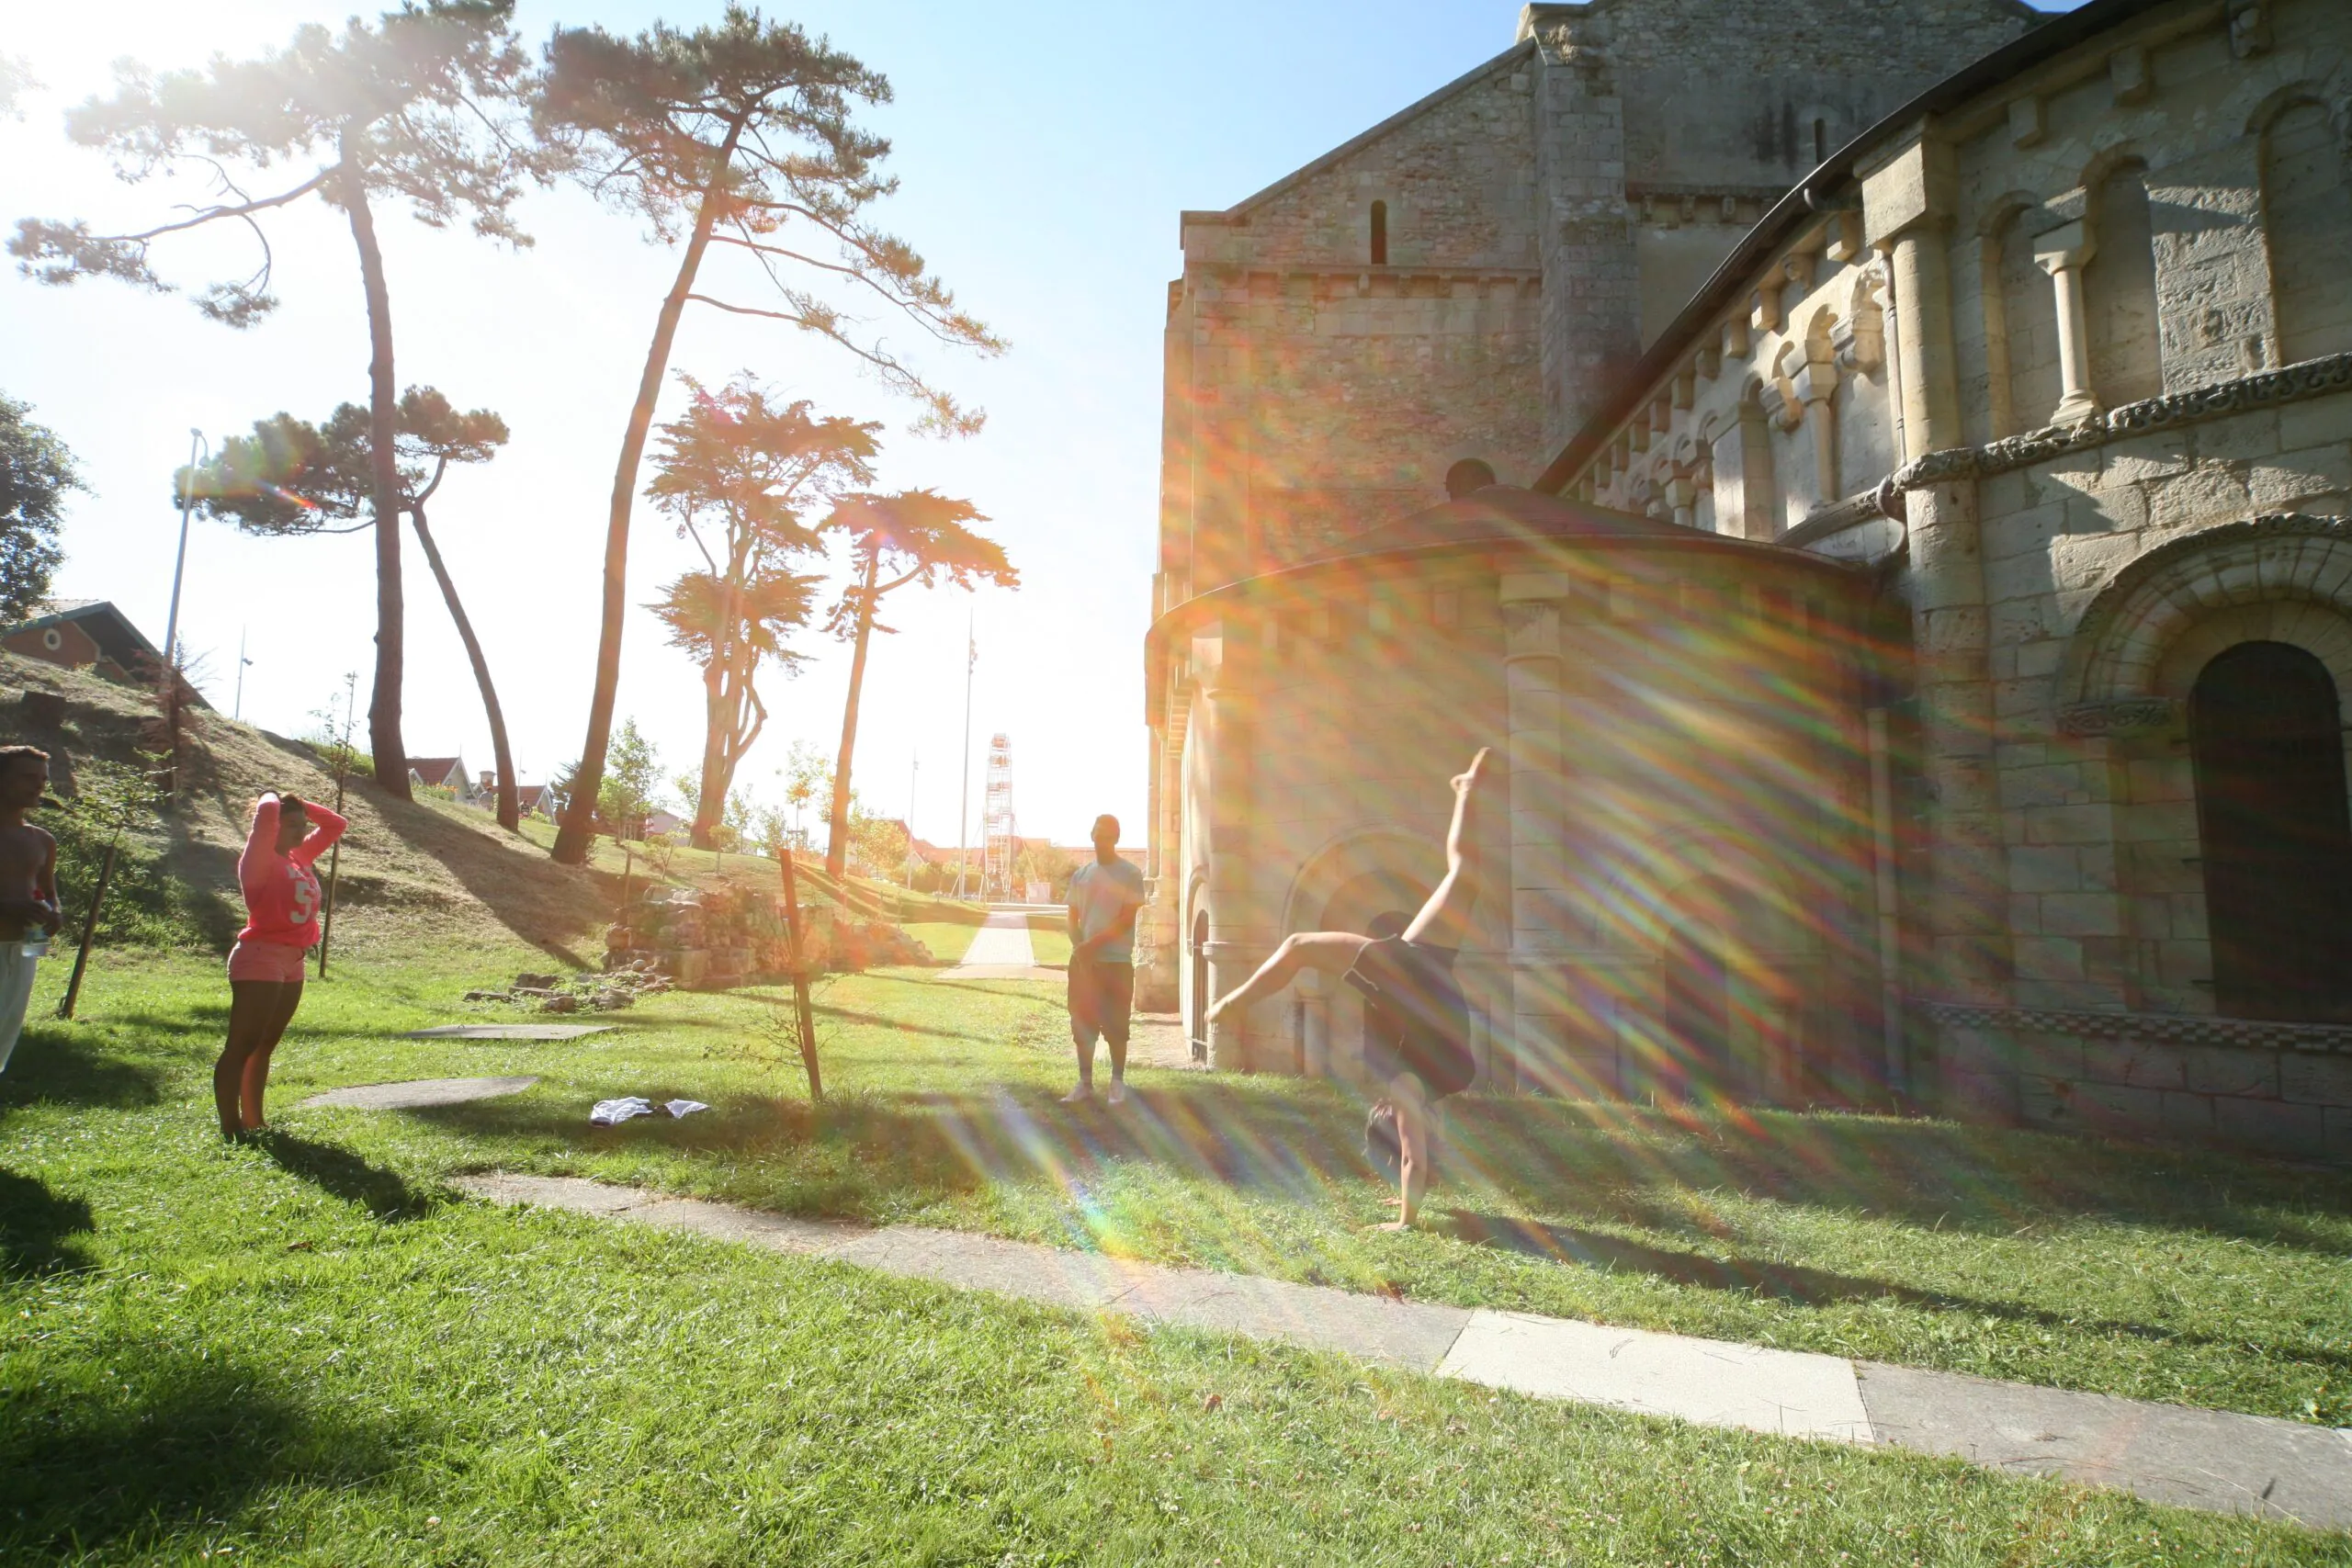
(1417, 1040)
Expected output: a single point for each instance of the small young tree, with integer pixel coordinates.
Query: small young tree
(36, 470)
(344, 761)
(114, 807)
(738, 135)
(807, 778)
(290, 478)
(625, 798)
(418, 107)
(914, 536)
(737, 472)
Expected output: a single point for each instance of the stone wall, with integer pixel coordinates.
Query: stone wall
(2107, 227)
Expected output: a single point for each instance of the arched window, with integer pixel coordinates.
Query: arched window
(2266, 739)
(2029, 312)
(1199, 1008)
(2307, 210)
(2119, 287)
(1380, 233)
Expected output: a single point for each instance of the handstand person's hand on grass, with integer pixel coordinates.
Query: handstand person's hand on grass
(1417, 1035)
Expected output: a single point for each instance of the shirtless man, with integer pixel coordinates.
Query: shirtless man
(28, 885)
(1418, 1033)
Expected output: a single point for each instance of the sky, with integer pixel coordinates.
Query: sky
(1044, 151)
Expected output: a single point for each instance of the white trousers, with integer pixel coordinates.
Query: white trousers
(16, 971)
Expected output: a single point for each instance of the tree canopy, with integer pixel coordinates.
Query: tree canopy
(36, 469)
(405, 109)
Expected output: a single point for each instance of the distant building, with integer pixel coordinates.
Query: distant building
(441, 772)
(90, 634)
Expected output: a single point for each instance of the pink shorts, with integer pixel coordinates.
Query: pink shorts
(275, 960)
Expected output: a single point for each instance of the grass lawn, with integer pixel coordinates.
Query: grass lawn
(305, 1349)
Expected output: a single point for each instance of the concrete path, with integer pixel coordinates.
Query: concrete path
(2196, 1458)
(508, 1032)
(418, 1093)
(1000, 951)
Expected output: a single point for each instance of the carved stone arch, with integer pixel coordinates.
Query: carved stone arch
(2294, 95)
(2002, 211)
(2106, 164)
(1347, 858)
(2121, 657)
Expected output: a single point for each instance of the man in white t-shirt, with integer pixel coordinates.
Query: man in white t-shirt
(1103, 899)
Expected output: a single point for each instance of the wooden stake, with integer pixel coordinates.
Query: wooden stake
(804, 1014)
(89, 931)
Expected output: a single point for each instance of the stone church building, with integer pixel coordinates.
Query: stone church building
(1878, 470)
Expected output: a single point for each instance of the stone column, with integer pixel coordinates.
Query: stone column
(1533, 604)
(1815, 383)
(1907, 201)
(2064, 253)
(1239, 940)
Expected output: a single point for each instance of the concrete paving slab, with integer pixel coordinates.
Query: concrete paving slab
(1081, 1280)
(1711, 1381)
(2168, 1453)
(417, 1093)
(573, 1192)
(1414, 1335)
(508, 1032)
(1002, 941)
(725, 1222)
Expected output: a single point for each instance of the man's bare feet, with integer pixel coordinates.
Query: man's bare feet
(1392, 1225)
(1118, 1095)
(1080, 1095)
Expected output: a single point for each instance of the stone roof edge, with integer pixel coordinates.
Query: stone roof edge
(1169, 622)
(1463, 83)
(1809, 197)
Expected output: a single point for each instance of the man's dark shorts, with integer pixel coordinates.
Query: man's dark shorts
(1101, 996)
(1420, 1022)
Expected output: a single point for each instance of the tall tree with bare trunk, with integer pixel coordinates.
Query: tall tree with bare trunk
(422, 107)
(290, 478)
(737, 135)
(740, 472)
(913, 536)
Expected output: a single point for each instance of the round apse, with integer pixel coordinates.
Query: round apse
(1466, 476)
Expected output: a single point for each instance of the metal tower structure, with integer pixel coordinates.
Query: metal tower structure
(999, 846)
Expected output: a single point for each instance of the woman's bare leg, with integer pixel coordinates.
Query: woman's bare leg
(256, 1074)
(1334, 952)
(252, 1006)
(1444, 920)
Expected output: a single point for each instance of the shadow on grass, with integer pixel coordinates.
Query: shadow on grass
(1638, 1166)
(66, 1067)
(385, 1194)
(1800, 1285)
(190, 1439)
(37, 1228)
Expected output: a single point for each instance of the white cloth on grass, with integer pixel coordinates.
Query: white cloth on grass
(680, 1107)
(609, 1111)
(19, 961)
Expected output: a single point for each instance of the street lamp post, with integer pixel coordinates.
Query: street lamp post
(179, 568)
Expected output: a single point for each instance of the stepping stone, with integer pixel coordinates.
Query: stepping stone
(418, 1093)
(1713, 1381)
(2214, 1459)
(507, 1032)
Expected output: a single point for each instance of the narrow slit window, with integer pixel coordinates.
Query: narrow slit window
(1380, 233)
(1820, 142)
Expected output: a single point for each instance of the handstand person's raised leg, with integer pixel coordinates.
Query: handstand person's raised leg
(1334, 952)
(1444, 920)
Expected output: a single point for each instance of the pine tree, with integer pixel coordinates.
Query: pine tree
(915, 536)
(291, 478)
(738, 136)
(418, 107)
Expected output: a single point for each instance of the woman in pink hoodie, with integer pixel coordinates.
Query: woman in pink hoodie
(265, 966)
